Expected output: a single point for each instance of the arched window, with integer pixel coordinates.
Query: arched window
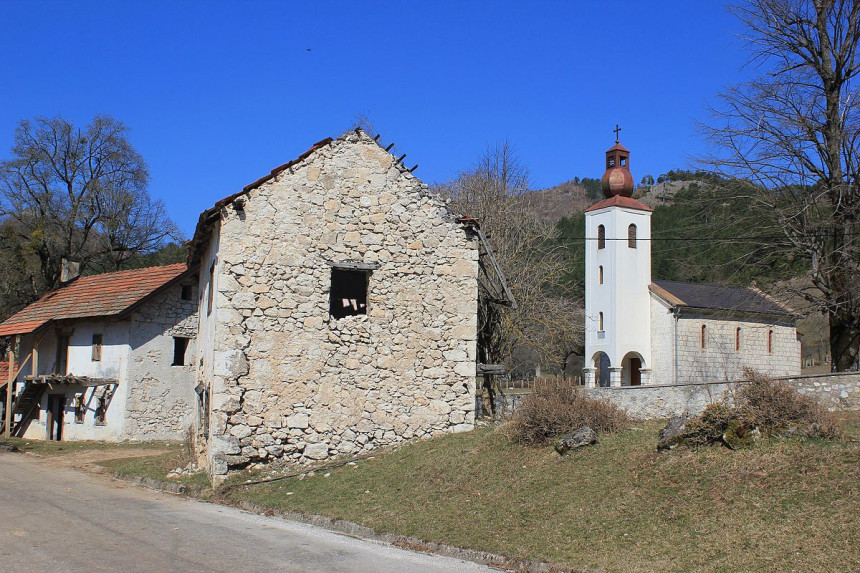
(601, 237)
(704, 334)
(738, 339)
(631, 236)
(770, 342)
(600, 274)
(600, 322)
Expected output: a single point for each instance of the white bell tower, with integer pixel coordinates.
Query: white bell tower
(617, 279)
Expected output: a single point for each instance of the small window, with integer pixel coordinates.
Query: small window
(97, 347)
(600, 274)
(180, 345)
(211, 289)
(631, 236)
(601, 237)
(623, 161)
(101, 411)
(738, 339)
(704, 335)
(770, 342)
(600, 322)
(187, 292)
(79, 409)
(348, 295)
(610, 162)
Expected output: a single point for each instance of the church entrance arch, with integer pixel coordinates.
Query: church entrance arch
(631, 366)
(601, 363)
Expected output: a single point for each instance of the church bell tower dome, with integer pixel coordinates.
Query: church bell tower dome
(617, 180)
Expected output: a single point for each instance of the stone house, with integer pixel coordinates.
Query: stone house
(105, 357)
(338, 310)
(641, 332)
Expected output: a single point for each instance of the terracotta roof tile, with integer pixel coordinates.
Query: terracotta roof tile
(619, 201)
(108, 294)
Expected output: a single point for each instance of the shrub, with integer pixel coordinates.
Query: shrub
(777, 408)
(558, 406)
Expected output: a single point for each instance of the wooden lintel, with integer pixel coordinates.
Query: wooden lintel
(353, 266)
(492, 369)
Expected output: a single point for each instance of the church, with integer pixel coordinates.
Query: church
(640, 331)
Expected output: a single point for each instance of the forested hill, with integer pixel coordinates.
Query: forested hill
(703, 230)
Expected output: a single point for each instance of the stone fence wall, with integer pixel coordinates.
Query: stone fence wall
(836, 391)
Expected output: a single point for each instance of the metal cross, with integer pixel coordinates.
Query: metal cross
(616, 130)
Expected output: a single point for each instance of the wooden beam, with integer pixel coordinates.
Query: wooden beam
(354, 266)
(8, 420)
(492, 369)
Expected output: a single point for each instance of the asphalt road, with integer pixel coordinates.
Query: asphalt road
(59, 519)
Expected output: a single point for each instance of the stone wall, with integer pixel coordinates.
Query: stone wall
(838, 392)
(719, 359)
(290, 382)
(161, 403)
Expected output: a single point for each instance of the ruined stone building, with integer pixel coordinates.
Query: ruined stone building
(104, 357)
(640, 332)
(338, 306)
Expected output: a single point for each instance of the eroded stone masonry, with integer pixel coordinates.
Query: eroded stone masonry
(344, 311)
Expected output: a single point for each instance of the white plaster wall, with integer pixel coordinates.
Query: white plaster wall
(114, 364)
(161, 403)
(662, 342)
(623, 297)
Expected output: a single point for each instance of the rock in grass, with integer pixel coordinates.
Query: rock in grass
(584, 436)
(672, 434)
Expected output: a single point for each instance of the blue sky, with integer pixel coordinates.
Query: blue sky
(218, 93)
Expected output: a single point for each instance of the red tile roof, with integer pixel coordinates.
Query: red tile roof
(619, 201)
(4, 372)
(108, 294)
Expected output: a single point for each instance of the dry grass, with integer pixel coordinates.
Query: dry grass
(783, 505)
(557, 406)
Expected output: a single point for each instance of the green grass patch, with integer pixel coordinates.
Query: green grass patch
(783, 505)
(51, 448)
(157, 468)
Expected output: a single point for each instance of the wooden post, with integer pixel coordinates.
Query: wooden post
(8, 420)
(35, 363)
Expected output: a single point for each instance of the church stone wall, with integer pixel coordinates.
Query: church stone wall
(719, 359)
(291, 383)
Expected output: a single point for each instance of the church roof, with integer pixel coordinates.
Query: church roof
(713, 297)
(619, 201)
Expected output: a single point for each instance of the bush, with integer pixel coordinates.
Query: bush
(777, 408)
(558, 406)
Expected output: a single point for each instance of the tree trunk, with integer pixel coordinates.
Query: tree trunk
(844, 342)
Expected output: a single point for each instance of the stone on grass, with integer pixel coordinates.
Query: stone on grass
(672, 434)
(584, 436)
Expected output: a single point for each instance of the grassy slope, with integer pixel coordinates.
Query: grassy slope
(620, 506)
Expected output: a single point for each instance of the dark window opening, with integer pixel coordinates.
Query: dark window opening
(770, 342)
(180, 345)
(101, 410)
(601, 237)
(623, 162)
(211, 289)
(97, 347)
(79, 409)
(704, 335)
(348, 293)
(738, 339)
(62, 355)
(610, 162)
(600, 274)
(631, 236)
(187, 292)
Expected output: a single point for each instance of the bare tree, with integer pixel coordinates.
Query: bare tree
(546, 322)
(80, 194)
(793, 134)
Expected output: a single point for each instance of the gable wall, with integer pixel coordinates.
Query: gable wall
(288, 381)
(161, 402)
